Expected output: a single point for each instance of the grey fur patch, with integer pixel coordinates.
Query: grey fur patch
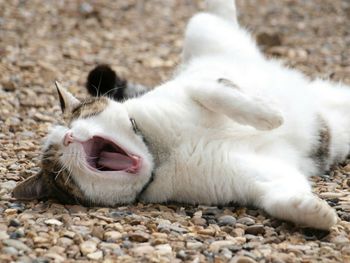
(321, 152)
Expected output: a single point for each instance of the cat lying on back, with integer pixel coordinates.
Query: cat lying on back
(230, 126)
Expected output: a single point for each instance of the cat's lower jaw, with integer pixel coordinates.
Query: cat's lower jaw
(306, 210)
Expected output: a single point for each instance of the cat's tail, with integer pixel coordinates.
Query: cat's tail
(223, 8)
(104, 81)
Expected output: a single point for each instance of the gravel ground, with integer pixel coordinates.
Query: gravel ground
(45, 40)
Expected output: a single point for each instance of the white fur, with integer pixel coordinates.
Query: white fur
(214, 143)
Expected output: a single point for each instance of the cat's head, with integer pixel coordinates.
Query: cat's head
(99, 158)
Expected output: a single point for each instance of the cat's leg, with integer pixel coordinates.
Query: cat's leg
(223, 8)
(217, 32)
(230, 100)
(281, 190)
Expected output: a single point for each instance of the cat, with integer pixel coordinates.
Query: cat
(230, 126)
(104, 81)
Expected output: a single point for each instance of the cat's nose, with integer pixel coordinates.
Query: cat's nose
(68, 138)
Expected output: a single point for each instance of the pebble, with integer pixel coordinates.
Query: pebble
(181, 255)
(14, 222)
(199, 221)
(17, 234)
(9, 250)
(255, 230)
(139, 236)
(142, 250)
(88, 247)
(246, 221)
(226, 220)
(164, 250)
(17, 244)
(242, 259)
(8, 185)
(194, 245)
(95, 255)
(112, 236)
(3, 235)
(56, 257)
(217, 245)
(64, 241)
(53, 222)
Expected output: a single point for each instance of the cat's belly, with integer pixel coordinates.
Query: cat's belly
(200, 172)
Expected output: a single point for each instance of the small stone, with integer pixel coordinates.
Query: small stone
(227, 220)
(10, 211)
(139, 236)
(53, 222)
(8, 185)
(56, 257)
(181, 255)
(97, 231)
(17, 234)
(207, 231)
(65, 242)
(17, 244)
(87, 247)
(95, 256)
(269, 39)
(164, 249)
(14, 222)
(217, 245)
(194, 245)
(199, 221)
(3, 235)
(246, 221)
(242, 259)
(40, 239)
(112, 236)
(86, 8)
(9, 251)
(255, 230)
(142, 250)
(108, 246)
(226, 253)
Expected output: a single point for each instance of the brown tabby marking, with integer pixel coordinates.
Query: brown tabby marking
(60, 182)
(89, 108)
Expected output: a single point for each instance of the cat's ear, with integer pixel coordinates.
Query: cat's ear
(32, 188)
(67, 100)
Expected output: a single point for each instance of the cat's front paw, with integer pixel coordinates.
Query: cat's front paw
(269, 119)
(314, 212)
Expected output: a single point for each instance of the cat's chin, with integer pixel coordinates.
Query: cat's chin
(105, 156)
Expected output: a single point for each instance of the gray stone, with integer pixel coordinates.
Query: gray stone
(226, 220)
(9, 251)
(246, 221)
(19, 245)
(255, 230)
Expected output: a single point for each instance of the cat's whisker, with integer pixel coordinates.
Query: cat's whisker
(105, 94)
(95, 88)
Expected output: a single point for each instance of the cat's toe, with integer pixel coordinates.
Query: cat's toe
(313, 212)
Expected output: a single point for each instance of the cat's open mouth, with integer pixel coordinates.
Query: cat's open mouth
(105, 155)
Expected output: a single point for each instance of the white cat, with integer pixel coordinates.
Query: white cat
(230, 126)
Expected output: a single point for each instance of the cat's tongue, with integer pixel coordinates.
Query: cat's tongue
(115, 161)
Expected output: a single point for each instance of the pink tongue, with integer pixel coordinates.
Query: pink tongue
(115, 161)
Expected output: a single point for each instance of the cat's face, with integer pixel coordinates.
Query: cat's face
(100, 158)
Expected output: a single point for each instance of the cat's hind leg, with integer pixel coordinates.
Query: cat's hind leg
(216, 32)
(282, 191)
(223, 8)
